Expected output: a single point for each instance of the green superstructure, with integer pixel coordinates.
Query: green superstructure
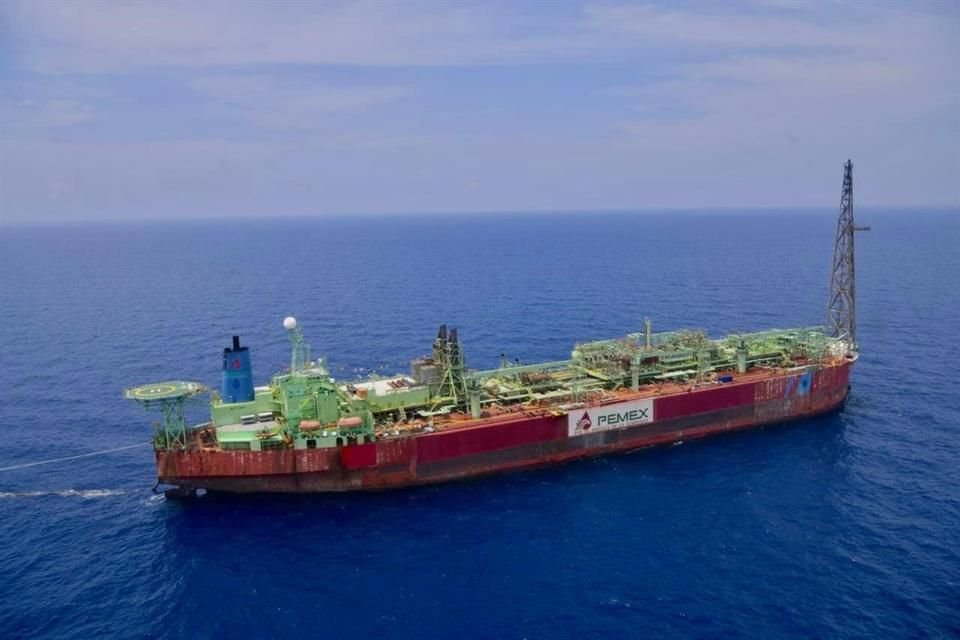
(304, 407)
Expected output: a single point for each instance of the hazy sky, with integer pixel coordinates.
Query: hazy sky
(187, 109)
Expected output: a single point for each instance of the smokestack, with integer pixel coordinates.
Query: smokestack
(237, 377)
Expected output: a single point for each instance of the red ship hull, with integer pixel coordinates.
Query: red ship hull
(517, 441)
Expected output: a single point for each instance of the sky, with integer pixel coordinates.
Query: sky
(165, 110)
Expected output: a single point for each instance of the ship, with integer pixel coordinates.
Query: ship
(308, 432)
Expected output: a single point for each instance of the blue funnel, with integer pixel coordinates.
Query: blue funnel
(237, 375)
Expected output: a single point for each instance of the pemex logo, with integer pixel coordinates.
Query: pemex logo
(584, 423)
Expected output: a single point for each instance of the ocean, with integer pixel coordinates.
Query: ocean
(845, 526)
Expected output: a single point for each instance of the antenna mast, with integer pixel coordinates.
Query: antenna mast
(841, 309)
(299, 349)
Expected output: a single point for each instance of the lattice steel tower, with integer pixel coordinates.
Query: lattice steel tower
(841, 310)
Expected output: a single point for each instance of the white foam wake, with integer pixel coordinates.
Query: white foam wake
(65, 493)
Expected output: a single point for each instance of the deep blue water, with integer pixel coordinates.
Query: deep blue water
(846, 526)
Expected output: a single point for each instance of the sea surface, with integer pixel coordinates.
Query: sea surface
(846, 526)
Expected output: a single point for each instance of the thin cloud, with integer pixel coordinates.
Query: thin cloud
(108, 37)
(180, 109)
(271, 102)
(25, 114)
(120, 36)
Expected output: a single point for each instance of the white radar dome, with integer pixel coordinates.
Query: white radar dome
(289, 323)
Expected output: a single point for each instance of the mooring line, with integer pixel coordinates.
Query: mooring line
(82, 455)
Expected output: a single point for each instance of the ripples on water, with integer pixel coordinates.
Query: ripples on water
(844, 526)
